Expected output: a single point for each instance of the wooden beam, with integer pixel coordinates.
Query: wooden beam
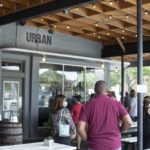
(121, 45)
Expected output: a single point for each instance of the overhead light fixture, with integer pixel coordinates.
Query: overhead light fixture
(94, 33)
(77, 9)
(51, 31)
(68, 27)
(1, 5)
(110, 3)
(127, 16)
(136, 35)
(65, 11)
(99, 36)
(42, 19)
(44, 58)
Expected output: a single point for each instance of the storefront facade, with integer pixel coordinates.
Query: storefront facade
(72, 67)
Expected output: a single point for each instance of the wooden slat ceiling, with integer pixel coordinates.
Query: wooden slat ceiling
(130, 58)
(12, 6)
(102, 21)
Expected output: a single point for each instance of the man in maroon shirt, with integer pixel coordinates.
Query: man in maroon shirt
(102, 115)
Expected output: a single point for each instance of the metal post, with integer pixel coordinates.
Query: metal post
(63, 80)
(140, 73)
(122, 79)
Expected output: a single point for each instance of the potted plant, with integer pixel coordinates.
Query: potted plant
(49, 141)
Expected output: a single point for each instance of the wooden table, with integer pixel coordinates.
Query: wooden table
(37, 146)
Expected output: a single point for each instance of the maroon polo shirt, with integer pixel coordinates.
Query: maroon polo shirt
(102, 115)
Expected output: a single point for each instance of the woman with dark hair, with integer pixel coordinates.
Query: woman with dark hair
(133, 106)
(146, 122)
(61, 114)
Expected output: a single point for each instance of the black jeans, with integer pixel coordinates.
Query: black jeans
(62, 140)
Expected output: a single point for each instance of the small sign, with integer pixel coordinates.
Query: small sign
(141, 88)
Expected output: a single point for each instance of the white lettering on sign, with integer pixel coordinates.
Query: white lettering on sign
(141, 88)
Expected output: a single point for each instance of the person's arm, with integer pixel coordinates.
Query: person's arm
(82, 130)
(126, 123)
(129, 110)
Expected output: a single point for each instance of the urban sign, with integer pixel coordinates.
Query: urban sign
(38, 38)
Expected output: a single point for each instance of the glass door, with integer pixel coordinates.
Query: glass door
(12, 95)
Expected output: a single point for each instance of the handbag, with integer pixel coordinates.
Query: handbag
(63, 128)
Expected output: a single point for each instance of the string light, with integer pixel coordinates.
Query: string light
(94, 6)
(146, 13)
(44, 58)
(110, 17)
(110, 3)
(96, 24)
(122, 37)
(108, 33)
(68, 27)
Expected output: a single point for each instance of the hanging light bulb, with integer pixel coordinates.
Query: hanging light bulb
(94, 6)
(110, 3)
(122, 37)
(127, 16)
(116, 68)
(123, 30)
(146, 13)
(1, 5)
(108, 33)
(44, 58)
(110, 17)
(96, 24)
(94, 33)
(77, 9)
(99, 36)
(102, 65)
(55, 26)
(68, 27)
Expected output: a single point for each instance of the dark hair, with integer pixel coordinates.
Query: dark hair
(57, 103)
(77, 98)
(146, 101)
(132, 93)
(92, 95)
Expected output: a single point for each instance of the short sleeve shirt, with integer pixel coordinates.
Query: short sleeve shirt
(102, 115)
(133, 104)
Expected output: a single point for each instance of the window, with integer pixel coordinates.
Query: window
(50, 85)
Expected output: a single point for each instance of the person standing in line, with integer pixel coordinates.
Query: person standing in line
(146, 122)
(102, 115)
(133, 106)
(61, 113)
(75, 111)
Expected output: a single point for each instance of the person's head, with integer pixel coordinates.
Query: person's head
(111, 94)
(59, 103)
(146, 101)
(126, 93)
(92, 96)
(132, 93)
(77, 99)
(100, 87)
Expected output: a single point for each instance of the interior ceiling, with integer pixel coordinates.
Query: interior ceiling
(101, 21)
